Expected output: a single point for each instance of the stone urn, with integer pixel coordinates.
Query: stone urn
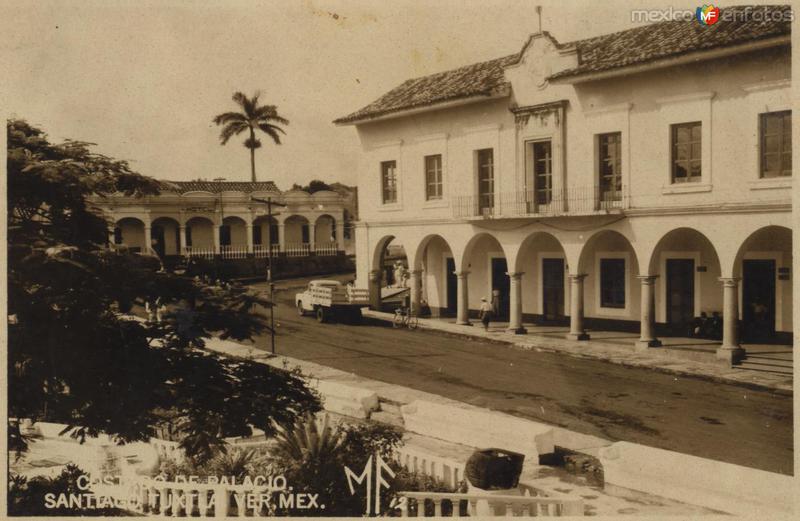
(494, 469)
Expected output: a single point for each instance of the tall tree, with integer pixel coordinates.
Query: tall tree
(252, 117)
(75, 357)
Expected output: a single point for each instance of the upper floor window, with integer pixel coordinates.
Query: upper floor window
(433, 177)
(389, 181)
(486, 178)
(609, 166)
(776, 144)
(686, 152)
(543, 171)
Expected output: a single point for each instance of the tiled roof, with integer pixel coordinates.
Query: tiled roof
(669, 39)
(182, 187)
(479, 79)
(630, 47)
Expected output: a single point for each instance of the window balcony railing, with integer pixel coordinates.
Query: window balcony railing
(537, 203)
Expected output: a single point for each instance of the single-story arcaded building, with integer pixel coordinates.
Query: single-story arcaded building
(225, 219)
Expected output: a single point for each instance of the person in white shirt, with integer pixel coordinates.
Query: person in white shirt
(486, 313)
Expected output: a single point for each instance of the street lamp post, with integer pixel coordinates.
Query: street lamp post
(270, 203)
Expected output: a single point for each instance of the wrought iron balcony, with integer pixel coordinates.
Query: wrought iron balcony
(536, 203)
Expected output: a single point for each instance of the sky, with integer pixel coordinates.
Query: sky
(143, 80)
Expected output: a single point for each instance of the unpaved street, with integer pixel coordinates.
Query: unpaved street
(689, 415)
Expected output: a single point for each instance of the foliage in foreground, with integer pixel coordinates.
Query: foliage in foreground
(26, 497)
(73, 356)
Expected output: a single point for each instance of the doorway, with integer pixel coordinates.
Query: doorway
(553, 290)
(157, 240)
(452, 286)
(758, 300)
(501, 286)
(680, 294)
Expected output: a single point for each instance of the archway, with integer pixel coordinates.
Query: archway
(199, 234)
(688, 269)
(296, 235)
(233, 232)
(389, 277)
(265, 235)
(165, 236)
(325, 235)
(763, 263)
(439, 287)
(542, 262)
(485, 260)
(131, 233)
(611, 289)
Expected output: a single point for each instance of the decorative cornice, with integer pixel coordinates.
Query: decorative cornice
(543, 110)
(619, 107)
(686, 98)
(767, 85)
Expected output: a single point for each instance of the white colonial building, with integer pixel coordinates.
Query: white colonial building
(632, 180)
(226, 219)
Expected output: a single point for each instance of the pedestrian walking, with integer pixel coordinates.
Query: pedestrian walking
(486, 314)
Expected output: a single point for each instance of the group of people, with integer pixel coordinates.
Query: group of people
(208, 281)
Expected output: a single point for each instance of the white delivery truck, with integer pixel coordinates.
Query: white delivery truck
(330, 300)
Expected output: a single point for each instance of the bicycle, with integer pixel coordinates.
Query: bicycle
(404, 317)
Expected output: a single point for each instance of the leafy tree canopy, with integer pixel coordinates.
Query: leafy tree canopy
(76, 358)
(314, 186)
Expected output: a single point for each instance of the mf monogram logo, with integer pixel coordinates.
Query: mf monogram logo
(365, 478)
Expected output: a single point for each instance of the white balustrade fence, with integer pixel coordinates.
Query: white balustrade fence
(262, 250)
(233, 252)
(325, 248)
(438, 504)
(534, 502)
(178, 499)
(449, 472)
(201, 252)
(297, 249)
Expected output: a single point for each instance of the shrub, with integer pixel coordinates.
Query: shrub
(26, 497)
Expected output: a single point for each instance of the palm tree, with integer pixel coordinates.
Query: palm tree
(253, 116)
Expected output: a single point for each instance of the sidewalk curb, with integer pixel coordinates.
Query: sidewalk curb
(536, 343)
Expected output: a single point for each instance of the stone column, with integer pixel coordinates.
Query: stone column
(249, 227)
(647, 336)
(312, 236)
(182, 239)
(576, 331)
(462, 312)
(375, 279)
(281, 237)
(216, 239)
(148, 237)
(730, 350)
(340, 233)
(414, 281)
(515, 311)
